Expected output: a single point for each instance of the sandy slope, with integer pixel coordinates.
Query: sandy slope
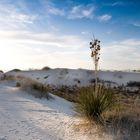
(23, 117)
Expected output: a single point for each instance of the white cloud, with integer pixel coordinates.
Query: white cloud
(104, 18)
(23, 18)
(51, 9)
(61, 41)
(137, 24)
(23, 49)
(12, 18)
(56, 11)
(76, 12)
(84, 33)
(117, 3)
(131, 42)
(81, 11)
(121, 55)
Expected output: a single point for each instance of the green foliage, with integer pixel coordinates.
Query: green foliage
(92, 104)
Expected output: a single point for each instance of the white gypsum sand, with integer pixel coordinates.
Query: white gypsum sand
(23, 116)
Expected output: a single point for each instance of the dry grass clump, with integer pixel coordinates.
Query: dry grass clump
(124, 120)
(8, 77)
(34, 87)
(121, 121)
(67, 92)
(93, 104)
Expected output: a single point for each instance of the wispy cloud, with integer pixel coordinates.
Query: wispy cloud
(81, 11)
(61, 41)
(71, 12)
(12, 17)
(84, 32)
(131, 42)
(29, 49)
(117, 3)
(104, 18)
(121, 54)
(56, 11)
(136, 24)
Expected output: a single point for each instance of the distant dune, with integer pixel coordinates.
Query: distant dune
(80, 77)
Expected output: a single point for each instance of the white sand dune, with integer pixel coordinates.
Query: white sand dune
(78, 77)
(24, 117)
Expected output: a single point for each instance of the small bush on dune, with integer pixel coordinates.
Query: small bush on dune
(1, 71)
(9, 77)
(18, 84)
(35, 88)
(92, 105)
(46, 68)
(133, 84)
(15, 70)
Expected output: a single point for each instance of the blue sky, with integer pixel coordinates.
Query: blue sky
(56, 33)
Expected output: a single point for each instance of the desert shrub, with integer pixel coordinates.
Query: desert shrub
(18, 84)
(9, 77)
(46, 77)
(67, 92)
(77, 80)
(41, 89)
(92, 105)
(64, 71)
(133, 84)
(36, 88)
(92, 80)
(1, 71)
(63, 88)
(15, 70)
(46, 68)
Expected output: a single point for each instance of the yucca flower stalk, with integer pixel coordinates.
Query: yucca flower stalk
(95, 49)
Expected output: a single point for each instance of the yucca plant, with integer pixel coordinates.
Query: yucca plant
(94, 101)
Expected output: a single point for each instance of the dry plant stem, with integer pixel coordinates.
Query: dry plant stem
(96, 82)
(95, 48)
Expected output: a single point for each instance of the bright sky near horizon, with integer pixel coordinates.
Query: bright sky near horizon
(56, 33)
